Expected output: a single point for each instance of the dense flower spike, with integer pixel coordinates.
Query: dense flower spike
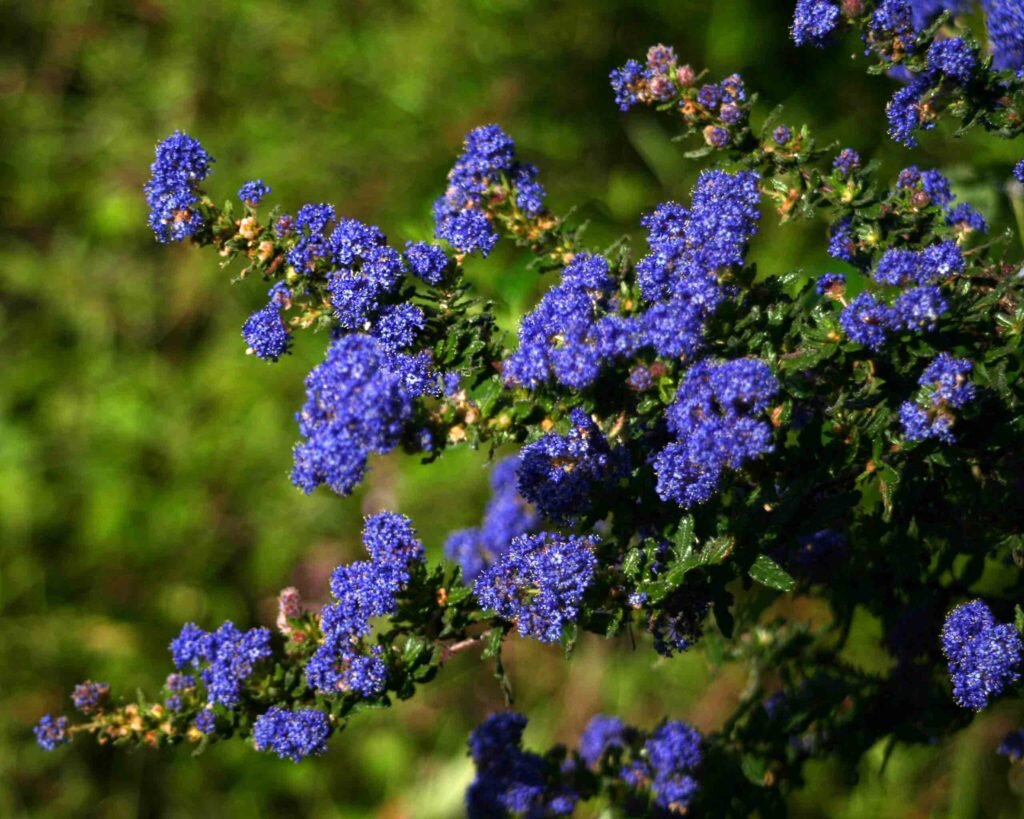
(486, 173)
(814, 21)
(253, 192)
(539, 583)
(1005, 21)
(946, 388)
(264, 331)
(568, 336)
(292, 735)
(52, 732)
(90, 697)
(674, 753)
(356, 404)
(558, 473)
(225, 658)
(364, 591)
(714, 418)
(984, 656)
(427, 261)
(172, 191)
(954, 58)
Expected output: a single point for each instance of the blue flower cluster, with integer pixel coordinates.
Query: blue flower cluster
(831, 285)
(252, 192)
(846, 162)
(936, 263)
(507, 516)
(558, 473)
(1005, 20)
(601, 735)
(290, 734)
(225, 658)
(983, 655)
(947, 388)
(814, 21)
(955, 58)
(570, 334)
(265, 331)
(690, 249)
(658, 767)
(206, 721)
(177, 685)
(172, 191)
(715, 421)
(510, 780)
(868, 321)
(1018, 171)
(428, 262)
(52, 732)
(672, 755)
(654, 81)
(362, 592)
(1012, 745)
(539, 583)
(90, 697)
(678, 622)
(365, 271)
(487, 171)
(356, 404)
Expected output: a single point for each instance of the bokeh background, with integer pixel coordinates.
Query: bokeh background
(144, 458)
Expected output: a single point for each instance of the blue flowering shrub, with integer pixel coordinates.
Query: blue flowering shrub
(694, 441)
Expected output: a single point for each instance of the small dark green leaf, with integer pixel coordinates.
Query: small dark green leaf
(769, 573)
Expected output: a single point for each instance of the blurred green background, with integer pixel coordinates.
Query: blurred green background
(144, 458)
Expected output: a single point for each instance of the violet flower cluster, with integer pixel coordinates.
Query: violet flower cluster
(984, 655)
(562, 474)
(539, 582)
(292, 735)
(946, 388)
(718, 111)
(487, 171)
(716, 422)
(224, 658)
(172, 191)
(655, 772)
(364, 591)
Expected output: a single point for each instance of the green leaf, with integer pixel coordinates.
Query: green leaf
(493, 647)
(754, 768)
(769, 573)
(683, 539)
(456, 594)
(631, 565)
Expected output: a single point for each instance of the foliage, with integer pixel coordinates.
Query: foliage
(652, 556)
